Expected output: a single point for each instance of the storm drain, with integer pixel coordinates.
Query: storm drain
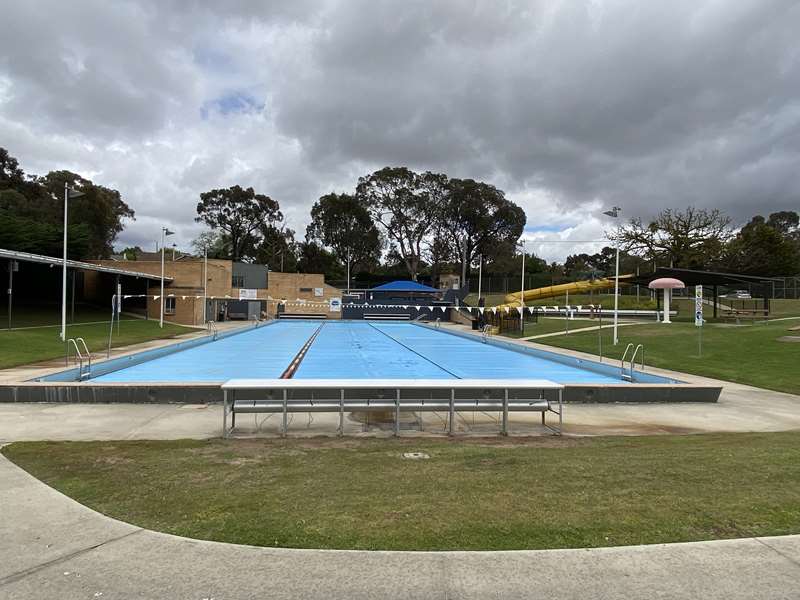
(416, 455)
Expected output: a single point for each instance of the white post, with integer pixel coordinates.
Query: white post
(348, 270)
(480, 274)
(616, 296)
(522, 293)
(205, 285)
(64, 271)
(161, 298)
(667, 294)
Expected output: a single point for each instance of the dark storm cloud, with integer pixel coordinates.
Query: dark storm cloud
(568, 106)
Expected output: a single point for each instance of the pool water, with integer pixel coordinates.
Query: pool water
(353, 350)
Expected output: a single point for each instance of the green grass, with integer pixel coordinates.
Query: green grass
(748, 354)
(489, 494)
(553, 325)
(24, 315)
(605, 300)
(24, 346)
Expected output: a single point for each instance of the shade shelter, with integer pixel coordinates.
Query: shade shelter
(667, 284)
(406, 291)
(759, 287)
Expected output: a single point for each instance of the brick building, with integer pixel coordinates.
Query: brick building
(234, 290)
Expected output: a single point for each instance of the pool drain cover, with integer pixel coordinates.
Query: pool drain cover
(416, 455)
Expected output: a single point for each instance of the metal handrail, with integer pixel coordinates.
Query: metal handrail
(633, 359)
(485, 332)
(211, 326)
(88, 355)
(438, 323)
(622, 361)
(79, 356)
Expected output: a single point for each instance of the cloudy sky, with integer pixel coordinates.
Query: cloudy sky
(568, 106)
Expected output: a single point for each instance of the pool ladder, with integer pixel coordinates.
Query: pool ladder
(212, 328)
(485, 333)
(80, 357)
(629, 375)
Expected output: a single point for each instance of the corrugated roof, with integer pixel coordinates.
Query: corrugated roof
(75, 264)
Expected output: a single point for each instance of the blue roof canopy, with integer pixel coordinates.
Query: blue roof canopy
(404, 286)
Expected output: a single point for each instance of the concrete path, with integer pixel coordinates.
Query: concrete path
(53, 547)
(580, 329)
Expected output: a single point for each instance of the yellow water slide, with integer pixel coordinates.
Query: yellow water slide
(576, 287)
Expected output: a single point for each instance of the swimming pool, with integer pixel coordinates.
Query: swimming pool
(354, 350)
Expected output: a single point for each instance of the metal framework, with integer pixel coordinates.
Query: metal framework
(289, 396)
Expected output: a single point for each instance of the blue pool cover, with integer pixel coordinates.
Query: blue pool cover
(351, 350)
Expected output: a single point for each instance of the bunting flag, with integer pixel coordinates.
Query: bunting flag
(520, 310)
(494, 310)
(481, 309)
(417, 307)
(531, 310)
(506, 309)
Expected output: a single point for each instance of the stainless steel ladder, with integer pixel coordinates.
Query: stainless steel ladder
(211, 326)
(81, 357)
(629, 375)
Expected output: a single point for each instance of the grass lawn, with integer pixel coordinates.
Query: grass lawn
(747, 354)
(606, 300)
(555, 324)
(23, 346)
(475, 494)
(50, 314)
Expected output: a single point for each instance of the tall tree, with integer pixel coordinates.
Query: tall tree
(766, 247)
(239, 213)
(277, 248)
(692, 238)
(101, 209)
(397, 199)
(478, 217)
(342, 223)
(313, 258)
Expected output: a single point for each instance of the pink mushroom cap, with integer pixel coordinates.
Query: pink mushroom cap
(666, 283)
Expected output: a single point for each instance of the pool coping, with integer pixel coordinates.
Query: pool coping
(202, 392)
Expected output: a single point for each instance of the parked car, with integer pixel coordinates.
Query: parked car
(737, 294)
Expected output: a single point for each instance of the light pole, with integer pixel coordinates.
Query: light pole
(68, 193)
(205, 284)
(614, 213)
(348, 271)
(480, 275)
(522, 291)
(164, 232)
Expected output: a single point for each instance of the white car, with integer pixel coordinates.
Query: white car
(738, 294)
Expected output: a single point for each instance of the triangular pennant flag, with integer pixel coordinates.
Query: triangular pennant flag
(506, 309)
(481, 309)
(417, 307)
(156, 297)
(494, 309)
(520, 309)
(531, 310)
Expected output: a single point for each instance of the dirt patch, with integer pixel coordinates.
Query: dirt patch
(630, 429)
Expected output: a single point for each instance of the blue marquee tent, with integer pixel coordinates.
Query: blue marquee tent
(405, 286)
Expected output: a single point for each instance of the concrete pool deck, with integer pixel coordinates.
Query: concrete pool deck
(54, 547)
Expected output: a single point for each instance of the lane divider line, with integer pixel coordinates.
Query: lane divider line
(422, 356)
(293, 366)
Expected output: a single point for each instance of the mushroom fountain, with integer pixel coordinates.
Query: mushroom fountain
(667, 284)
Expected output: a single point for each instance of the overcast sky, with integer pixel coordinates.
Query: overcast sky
(568, 106)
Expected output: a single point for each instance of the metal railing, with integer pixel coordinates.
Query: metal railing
(632, 364)
(290, 396)
(485, 333)
(211, 326)
(80, 357)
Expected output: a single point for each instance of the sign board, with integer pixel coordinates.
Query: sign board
(698, 305)
(335, 305)
(245, 294)
(318, 292)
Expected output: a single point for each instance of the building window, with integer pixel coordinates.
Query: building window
(169, 305)
(306, 290)
(237, 281)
